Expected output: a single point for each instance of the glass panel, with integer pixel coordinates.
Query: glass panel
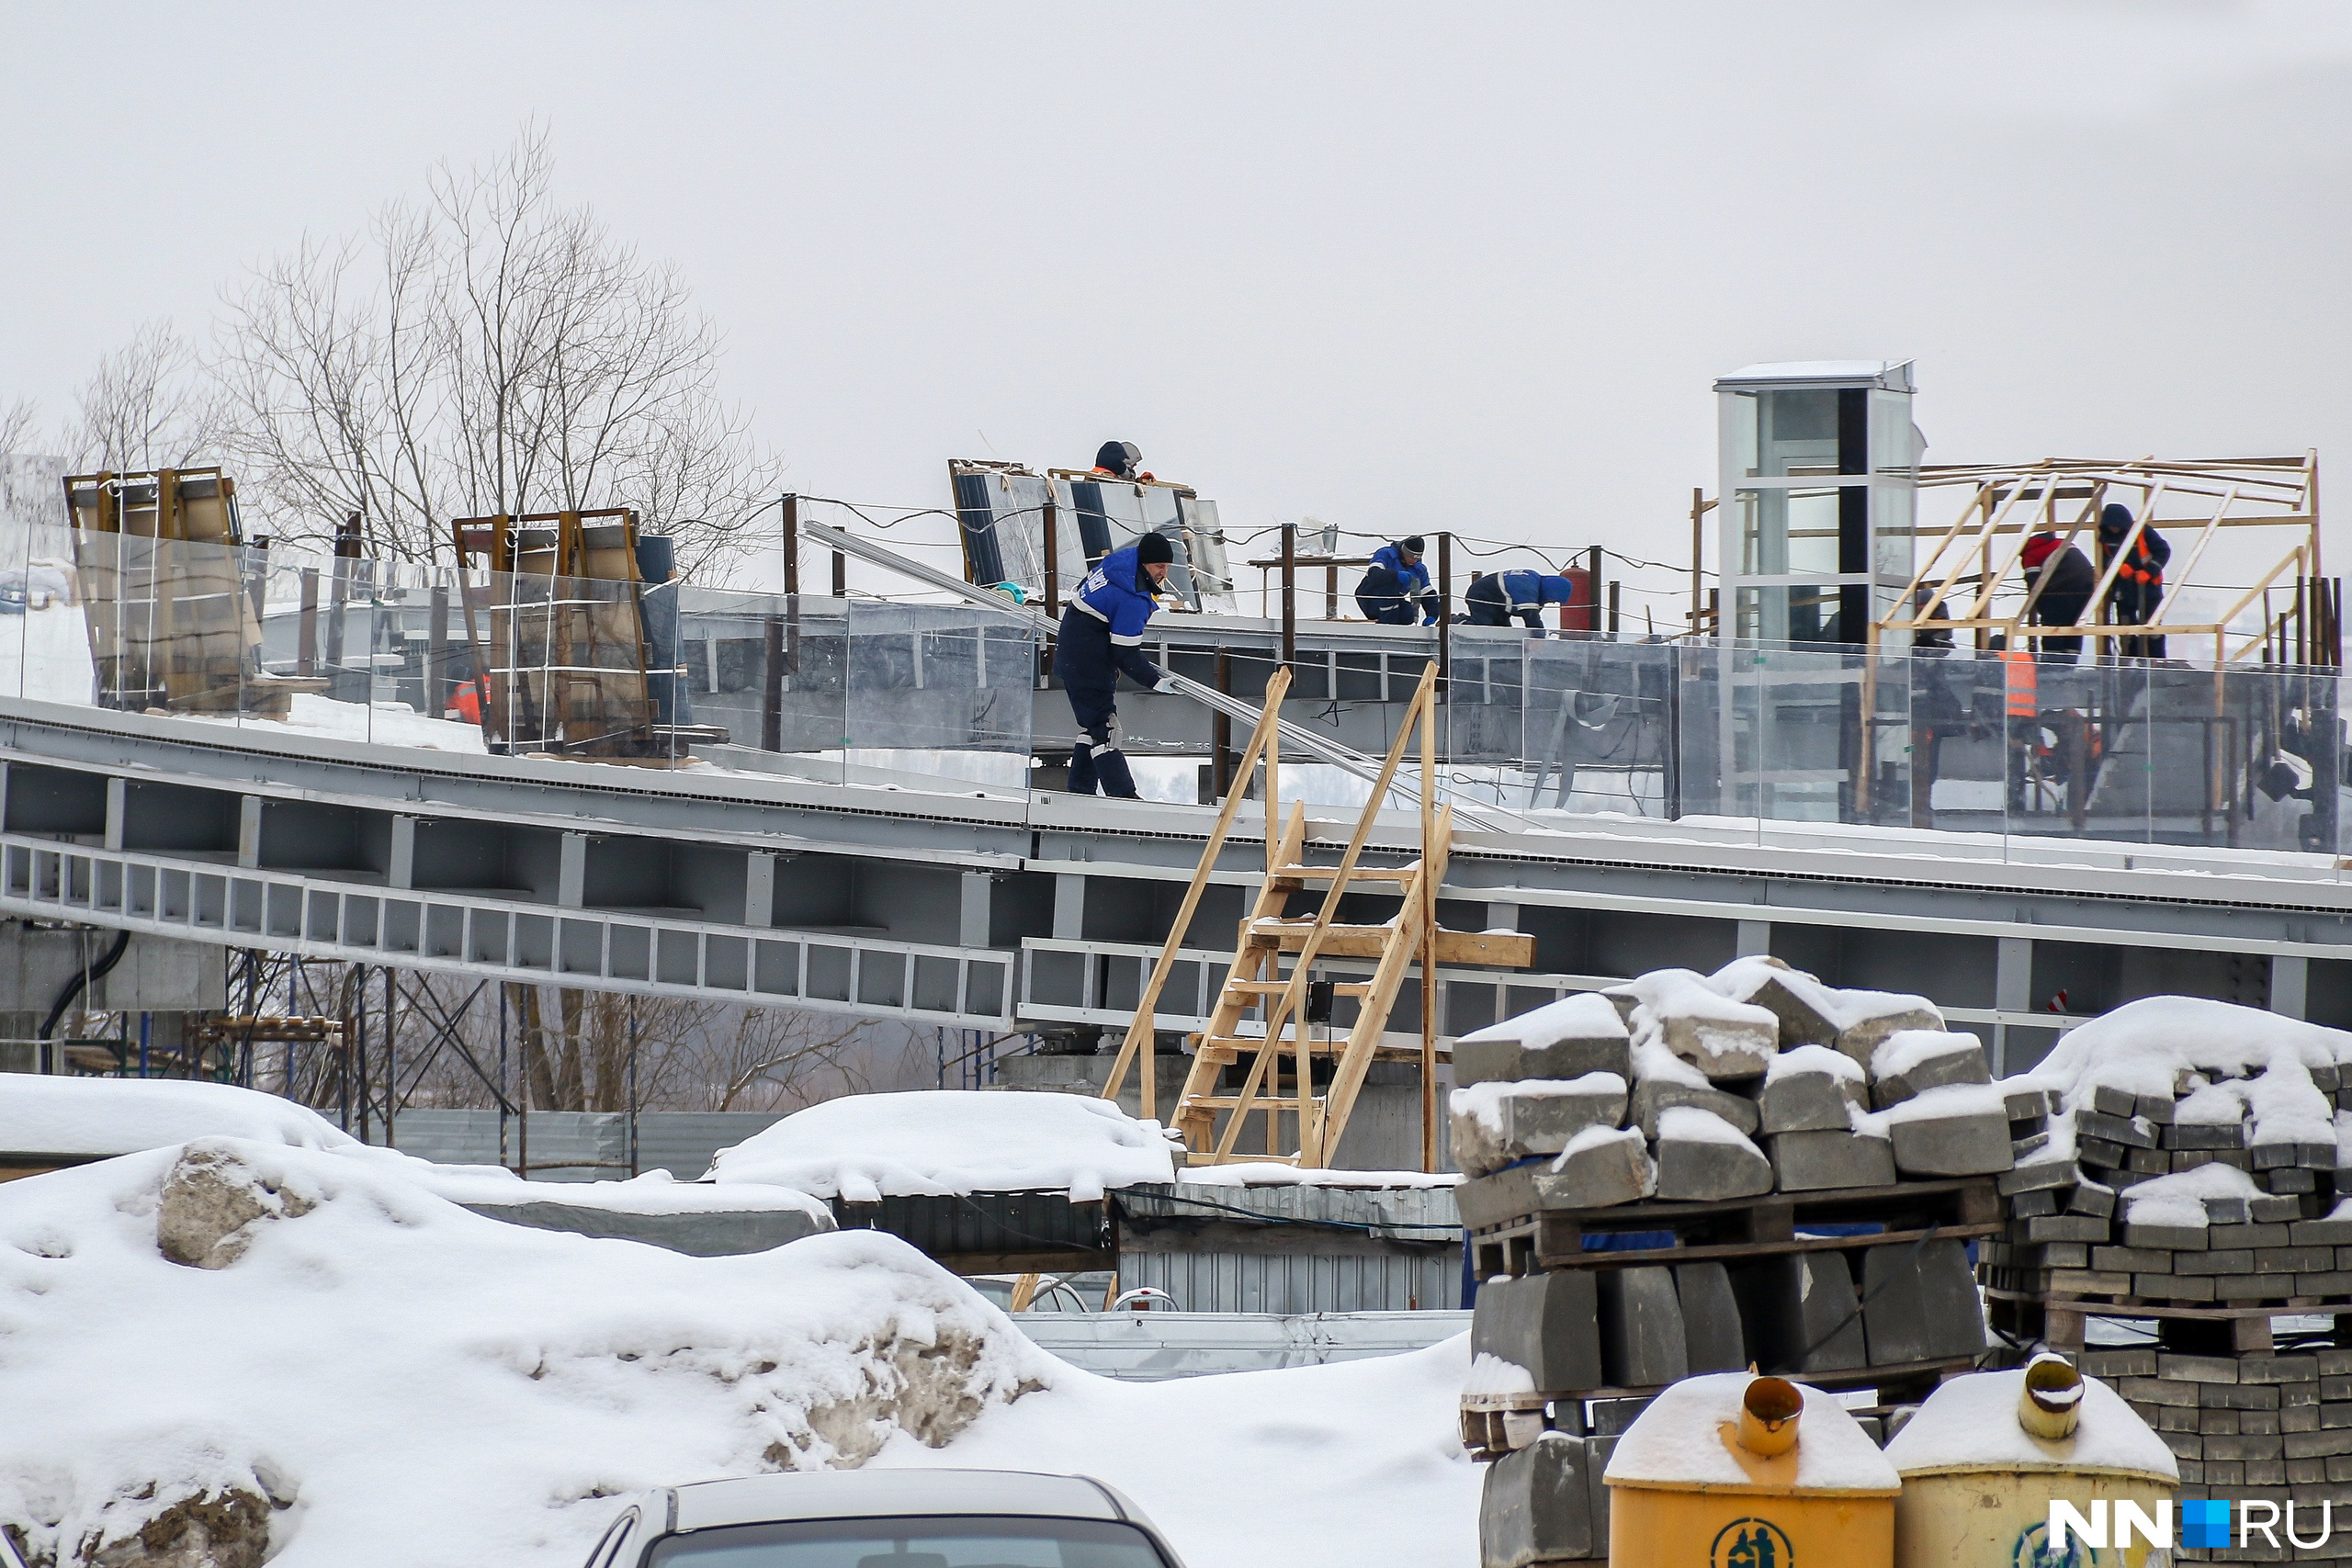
(1784, 531)
(1804, 614)
(1893, 511)
(1595, 725)
(1893, 447)
(942, 691)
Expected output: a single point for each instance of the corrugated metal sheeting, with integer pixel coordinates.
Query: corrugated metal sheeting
(1292, 1248)
(1278, 1282)
(680, 1142)
(1149, 1347)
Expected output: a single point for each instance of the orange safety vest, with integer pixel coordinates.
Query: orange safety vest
(466, 701)
(2018, 682)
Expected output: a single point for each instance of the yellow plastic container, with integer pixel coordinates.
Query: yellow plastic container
(1735, 1471)
(1983, 1459)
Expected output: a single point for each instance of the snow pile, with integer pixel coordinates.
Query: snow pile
(359, 1343)
(1971, 1423)
(2153, 1046)
(1687, 1438)
(864, 1146)
(40, 1114)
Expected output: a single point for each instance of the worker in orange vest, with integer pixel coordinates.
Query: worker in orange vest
(465, 701)
(2022, 706)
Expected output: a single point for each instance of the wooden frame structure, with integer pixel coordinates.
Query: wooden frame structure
(1255, 980)
(1974, 580)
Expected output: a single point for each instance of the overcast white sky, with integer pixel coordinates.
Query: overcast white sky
(1402, 268)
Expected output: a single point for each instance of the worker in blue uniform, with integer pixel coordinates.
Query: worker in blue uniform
(1495, 597)
(1398, 586)
(1102, 637)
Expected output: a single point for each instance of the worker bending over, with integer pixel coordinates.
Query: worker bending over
(1399, 585)
(1494, 598)
(2066, 580)
(1102, 635)
(2139, 588)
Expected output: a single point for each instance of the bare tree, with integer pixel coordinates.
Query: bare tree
(482, 351)
(17, 427)
(149, 405)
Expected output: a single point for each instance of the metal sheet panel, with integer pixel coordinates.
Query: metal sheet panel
(1150, 1346)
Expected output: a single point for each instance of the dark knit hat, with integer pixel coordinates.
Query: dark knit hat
(1154, 549)
(1415, 545)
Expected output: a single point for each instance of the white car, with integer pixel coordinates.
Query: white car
(884, 1519)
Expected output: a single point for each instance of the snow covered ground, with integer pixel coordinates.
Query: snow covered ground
(384, 1378)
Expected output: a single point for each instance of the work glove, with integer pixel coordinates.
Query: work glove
(1165, 683)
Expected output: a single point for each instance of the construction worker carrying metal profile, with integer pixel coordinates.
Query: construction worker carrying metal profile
(1102, 636)
(1495, 597)
(1399, 585)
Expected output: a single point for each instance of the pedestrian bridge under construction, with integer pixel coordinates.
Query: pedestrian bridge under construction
(848, 805)
(884, 891)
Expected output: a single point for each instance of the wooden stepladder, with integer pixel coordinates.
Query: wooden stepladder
(1280, 1046)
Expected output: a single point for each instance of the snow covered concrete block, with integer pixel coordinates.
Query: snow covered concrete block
(1642, 1341)
(1799, 1003)
(1811, 1089)
(1871, 1017)
(1817, 1162)
(1797, 1312)
(1547, 1324)
(1957, 1130)
(1566, 1038)
(1701, 1157)
(1603, 1166)
(1711, 1340)
(1920, 1304)
(214, 1201)
(1653, 1097)
(1495, 1123)
(1911, 1060)
(1697, 1023)
(1536, 1507)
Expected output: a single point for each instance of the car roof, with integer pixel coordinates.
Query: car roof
(885, 1493)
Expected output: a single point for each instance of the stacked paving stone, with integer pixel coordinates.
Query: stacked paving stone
(2208, 1176)
(1680, 1088)
(2263, 1425)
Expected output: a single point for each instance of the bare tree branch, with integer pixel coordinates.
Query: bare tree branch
(485, 351)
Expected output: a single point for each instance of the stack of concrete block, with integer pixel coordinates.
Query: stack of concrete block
(2260, 1424)
(1757, 1078)
(2224, 1190)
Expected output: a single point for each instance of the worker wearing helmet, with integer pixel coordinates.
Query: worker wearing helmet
(1495, 597)
(1399, 585)
(2139, 588)
(1101, 638)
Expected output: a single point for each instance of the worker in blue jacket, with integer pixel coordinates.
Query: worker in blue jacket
(1102, 636)
(1399, 585)
(1495, 597)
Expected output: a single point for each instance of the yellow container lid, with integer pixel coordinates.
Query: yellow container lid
(1971, 1424)
(1689, 1441)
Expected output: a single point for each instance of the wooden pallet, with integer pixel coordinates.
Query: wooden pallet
(1513, 1230)
(2059, 1319)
